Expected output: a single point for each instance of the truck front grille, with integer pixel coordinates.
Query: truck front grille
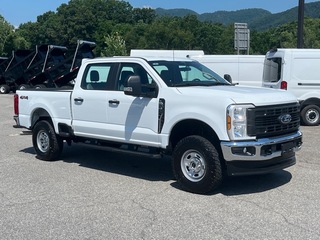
(273, 120)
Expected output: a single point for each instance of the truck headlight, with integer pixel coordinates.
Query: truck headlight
(237, 122)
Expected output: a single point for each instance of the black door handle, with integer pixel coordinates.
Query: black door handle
(114, 101)
(78, 99)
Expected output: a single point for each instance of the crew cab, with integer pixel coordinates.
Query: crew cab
(176, 107)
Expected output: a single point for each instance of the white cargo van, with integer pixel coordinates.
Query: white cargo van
(298, 71)
(243, 69)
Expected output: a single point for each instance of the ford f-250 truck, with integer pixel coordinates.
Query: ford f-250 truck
(159, 106)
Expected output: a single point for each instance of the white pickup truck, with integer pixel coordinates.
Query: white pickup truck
(176, 107)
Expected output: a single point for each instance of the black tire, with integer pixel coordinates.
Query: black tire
(40, 86)
(46, 142)
(4, 89)
(196, 165)
(23, 86)
(310, 115)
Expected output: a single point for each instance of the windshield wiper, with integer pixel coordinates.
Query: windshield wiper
(221, 84)
(196, 83)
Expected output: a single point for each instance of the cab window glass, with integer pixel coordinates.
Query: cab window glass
(96, 77)
(131, 69)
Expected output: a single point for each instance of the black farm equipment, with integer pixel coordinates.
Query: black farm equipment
(48, 66)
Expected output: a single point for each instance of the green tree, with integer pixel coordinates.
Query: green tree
(114, 46)
(6, 31)
(143, 15)
(312, 33)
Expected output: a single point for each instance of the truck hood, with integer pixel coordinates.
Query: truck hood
(240, 94)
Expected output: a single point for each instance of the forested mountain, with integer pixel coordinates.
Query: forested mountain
(257, 19)
(312, 10)
(242, 16)
(176, 12)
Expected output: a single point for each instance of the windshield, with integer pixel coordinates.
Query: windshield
(272, 70)
(186, 73)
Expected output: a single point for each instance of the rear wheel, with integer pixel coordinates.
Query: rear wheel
(196, 165)
(310, 115)
(4, 89)
(46, 142)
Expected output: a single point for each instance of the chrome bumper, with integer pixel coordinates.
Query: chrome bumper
(261, 149)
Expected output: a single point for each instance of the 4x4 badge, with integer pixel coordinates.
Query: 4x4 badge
(285, 118)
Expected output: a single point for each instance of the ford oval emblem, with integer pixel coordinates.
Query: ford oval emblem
(285, 118)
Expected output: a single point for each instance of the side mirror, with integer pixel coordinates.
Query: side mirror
(133, 87)
(228, 78)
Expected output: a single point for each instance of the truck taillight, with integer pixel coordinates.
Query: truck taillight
(16, 104)
(284, 85)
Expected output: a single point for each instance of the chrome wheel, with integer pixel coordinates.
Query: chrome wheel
(312, 115)
(193, 165)
(43, 141)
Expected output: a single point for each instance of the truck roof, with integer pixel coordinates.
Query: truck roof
(129, 58)
(164, 53)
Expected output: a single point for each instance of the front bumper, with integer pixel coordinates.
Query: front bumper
(261, 156)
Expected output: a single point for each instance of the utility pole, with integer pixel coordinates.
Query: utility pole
(300, 24)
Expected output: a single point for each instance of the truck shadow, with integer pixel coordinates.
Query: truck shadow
(254, 184)
(151, 169)
(155, 169)
(234, 186)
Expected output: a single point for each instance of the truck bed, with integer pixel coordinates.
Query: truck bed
(56, 102)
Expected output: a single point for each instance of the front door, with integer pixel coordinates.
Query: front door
(133, 119)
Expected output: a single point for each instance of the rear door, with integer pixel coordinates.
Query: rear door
(90, 102)
(272, 72)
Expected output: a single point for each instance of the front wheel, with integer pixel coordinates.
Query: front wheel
(310, 115)
(46, 142)
(196, 165)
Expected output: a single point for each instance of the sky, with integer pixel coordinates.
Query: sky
(21, 11)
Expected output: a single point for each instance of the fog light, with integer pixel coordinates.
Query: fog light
(266, 150)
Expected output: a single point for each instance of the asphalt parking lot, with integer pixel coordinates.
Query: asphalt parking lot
(94, 194)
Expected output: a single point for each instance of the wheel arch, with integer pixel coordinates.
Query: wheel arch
(190, 127)
(38, 115)
(310, 101)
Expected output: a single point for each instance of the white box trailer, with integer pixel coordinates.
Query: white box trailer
(298, 71)
(243, 69)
